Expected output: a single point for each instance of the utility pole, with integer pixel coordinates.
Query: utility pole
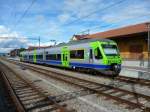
(88, 31)
(39, 41)
(148, 43)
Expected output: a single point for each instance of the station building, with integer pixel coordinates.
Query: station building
(132, 40)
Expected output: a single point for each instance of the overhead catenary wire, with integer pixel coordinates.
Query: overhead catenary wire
(99, 10)
(24, 14)
(108, 25)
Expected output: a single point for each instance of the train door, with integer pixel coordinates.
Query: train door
(97, 55)
(65, 57)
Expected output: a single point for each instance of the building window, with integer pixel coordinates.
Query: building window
(136, 48)
(77, 54)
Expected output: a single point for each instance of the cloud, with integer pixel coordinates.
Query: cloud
(7, 42)
(81, 8)
(63, 18)
(132, 11)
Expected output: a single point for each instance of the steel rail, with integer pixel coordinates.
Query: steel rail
(143, 82)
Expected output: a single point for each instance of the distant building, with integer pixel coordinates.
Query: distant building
(14, 53)
(132, 40)
(79, 37)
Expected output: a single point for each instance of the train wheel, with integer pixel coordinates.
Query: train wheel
(116, 70)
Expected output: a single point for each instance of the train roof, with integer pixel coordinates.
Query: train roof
(77, 42)
(83, 41)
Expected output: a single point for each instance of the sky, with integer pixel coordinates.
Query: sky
(59, 20)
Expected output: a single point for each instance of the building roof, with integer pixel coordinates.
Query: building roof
(80, 37)
(133, 29)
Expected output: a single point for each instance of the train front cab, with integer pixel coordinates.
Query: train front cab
(106, 55)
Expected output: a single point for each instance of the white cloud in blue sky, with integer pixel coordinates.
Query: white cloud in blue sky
(49, 18)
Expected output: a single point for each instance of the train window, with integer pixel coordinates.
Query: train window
(77, 54)
(51, 57)
(25, 56)
(110, 50)
(47, 57)
(39, 56)
(30, 56)
(58, 56)
(91, 54)
(97, 53)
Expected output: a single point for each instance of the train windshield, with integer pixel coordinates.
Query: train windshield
(110, 50)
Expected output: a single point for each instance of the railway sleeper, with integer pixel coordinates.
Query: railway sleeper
(24, 93)
(25, 87)
(33, 101)
(28, 95)
(22, 89)
(30, 98)
(40, 104)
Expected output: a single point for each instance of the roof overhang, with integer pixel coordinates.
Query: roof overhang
(124, 31)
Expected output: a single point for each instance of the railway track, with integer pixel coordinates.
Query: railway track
(142, 82)
(128, 80)
(28, 97)
(122, 96)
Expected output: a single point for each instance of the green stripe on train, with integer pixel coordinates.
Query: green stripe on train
(65, 54)
(34, 56)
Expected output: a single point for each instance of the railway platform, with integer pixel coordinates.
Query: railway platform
(135, 68)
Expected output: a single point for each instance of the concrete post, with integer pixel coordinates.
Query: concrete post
(148, 43)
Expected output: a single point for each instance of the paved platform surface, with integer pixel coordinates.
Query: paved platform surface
(135, 63)
(137, 68)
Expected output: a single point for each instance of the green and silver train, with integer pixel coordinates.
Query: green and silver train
(91, 54)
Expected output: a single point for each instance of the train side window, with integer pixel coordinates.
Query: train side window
(97, 53)
(91, 54)
(39, 56)
(51, 57)
(30, 56)
(58, 56)
(77, 54)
